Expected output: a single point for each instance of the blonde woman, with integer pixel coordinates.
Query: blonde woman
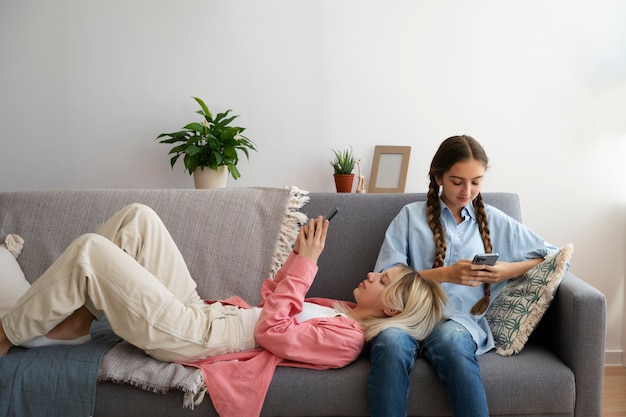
(132, 273)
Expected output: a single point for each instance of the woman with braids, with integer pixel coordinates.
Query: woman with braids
(439, 238)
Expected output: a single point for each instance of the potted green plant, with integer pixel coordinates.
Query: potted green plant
(209, 147)
(343, 165)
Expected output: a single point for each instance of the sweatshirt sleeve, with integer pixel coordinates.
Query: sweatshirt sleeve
(325, 342)
(270, 284)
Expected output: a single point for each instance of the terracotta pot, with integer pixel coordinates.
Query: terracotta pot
(343, 182)
(210, 178)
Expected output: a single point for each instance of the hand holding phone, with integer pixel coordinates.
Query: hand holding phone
(332, 214)
(312, 236)
(329, 216)
(485, 259)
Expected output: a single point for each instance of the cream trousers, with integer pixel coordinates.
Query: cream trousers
(133, 273)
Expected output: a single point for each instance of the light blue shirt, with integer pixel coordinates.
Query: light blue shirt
(410, 241)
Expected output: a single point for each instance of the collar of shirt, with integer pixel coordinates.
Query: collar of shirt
(467, 211)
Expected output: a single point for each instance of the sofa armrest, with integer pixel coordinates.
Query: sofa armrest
(574, 328)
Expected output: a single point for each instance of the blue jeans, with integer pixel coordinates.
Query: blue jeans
(450, 349)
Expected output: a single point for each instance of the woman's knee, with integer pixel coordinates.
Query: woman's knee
(88, 245)
(451, 342)
(138, 210)
(394, 345)
(91, 239)
(451, 331)
(132, 221)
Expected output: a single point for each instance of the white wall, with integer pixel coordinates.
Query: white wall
(86, 86)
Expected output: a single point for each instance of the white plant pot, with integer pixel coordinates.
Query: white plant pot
(209, 178)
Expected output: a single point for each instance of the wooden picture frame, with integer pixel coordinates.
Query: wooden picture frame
(389, 169)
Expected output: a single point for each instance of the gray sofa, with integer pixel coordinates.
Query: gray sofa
(559, 372)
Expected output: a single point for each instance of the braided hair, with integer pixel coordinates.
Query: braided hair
(452, 150)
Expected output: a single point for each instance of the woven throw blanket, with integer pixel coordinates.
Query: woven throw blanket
(125, 364)
(279, 218)
(53, 380)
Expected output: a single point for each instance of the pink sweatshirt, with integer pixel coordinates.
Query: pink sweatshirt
(238, 382)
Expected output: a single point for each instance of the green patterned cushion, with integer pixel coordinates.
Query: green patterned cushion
(518, 309)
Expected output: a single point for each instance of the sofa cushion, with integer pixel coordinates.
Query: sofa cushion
(344, 391)
(221, 233)
(520, 306)
(12, 281)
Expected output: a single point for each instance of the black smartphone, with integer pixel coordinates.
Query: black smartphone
(485, 259)
(332, 214)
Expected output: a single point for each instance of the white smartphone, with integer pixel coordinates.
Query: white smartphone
(485, 259)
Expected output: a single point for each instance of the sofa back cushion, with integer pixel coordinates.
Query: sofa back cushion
(223, 234)
(356, 234)
(218, 231)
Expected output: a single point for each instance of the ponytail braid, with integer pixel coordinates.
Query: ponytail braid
(434, 222)
(483, 227)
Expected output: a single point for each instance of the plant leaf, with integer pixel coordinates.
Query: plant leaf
(196, 127)
(193, 150)
(218, 158)
(173, 160)
(234, 171)
(244, 150)
(220, 116)
(225, 122)
(205, 109)
(230, 152)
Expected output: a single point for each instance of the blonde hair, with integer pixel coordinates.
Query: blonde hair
(420, 304)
